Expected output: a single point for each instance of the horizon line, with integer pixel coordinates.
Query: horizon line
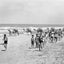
(31, 25)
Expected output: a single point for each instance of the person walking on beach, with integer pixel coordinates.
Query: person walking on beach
(37, 40)
(5, 39)
(32, 41)
(40, 42)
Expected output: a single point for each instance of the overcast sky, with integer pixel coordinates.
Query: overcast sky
(32, 11)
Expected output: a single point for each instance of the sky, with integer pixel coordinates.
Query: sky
(31, 11)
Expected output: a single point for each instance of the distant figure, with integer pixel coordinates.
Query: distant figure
(10, 32)
(40, 42)
(37, 41)
(32, 41)
(5, 42)
(15, 31)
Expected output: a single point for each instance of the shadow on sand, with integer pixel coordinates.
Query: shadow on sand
(3, 50)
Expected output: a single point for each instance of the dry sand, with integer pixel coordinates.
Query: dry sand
(18, 52)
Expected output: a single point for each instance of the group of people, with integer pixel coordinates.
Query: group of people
(14, 31)
(41, 38)
(50, 35)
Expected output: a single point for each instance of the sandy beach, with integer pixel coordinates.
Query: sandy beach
(19, 52)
